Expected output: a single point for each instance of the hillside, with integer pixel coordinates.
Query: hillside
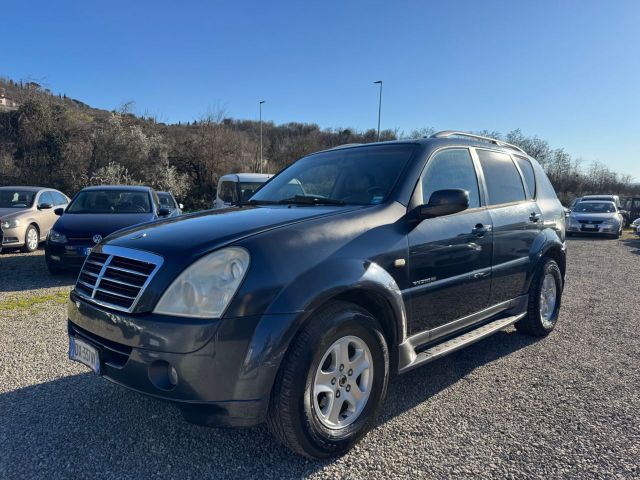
(57, 141)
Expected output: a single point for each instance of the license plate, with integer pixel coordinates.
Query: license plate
(591, 227)
(82, 352)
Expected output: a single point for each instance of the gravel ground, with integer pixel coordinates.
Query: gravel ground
(509, 406)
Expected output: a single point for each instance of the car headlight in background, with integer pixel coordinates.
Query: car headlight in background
(10, 224)
(206, 287)
(635, 223)
(55, 237)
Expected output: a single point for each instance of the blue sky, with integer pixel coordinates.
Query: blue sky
(567, 71)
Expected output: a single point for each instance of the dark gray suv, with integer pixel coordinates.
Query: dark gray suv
(347, 266)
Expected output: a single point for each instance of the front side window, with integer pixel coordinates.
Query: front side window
(451, 169)
(228, 192)
(110, 201)
(504, 183)
(45, 198)
(360, 176)
(16, 198)
(247, 189)
(166, 201)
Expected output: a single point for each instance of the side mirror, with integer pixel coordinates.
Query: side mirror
(59, 211)
(443, 202)
(45, 206)
(163, 212)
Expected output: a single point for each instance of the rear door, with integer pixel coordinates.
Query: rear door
(516, 220)
(449, 256)
(46, 216)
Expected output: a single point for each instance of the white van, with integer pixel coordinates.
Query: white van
(235, 188)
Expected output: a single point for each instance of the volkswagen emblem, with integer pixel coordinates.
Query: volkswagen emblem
(97, 238)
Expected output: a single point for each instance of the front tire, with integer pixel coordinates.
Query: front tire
(545, 295)
(332, 383)
(31, 239)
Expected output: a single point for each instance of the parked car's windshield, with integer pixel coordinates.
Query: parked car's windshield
(166, 200)
(361, 176)
(16, 198)
(247, 189)
(110, 201)
(595, 207)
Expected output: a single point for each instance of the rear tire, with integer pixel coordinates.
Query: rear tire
(31, 239)
(314, 408)
(545, 295)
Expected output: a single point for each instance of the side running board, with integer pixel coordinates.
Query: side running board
(456, 343)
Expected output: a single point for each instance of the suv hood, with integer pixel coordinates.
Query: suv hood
(82, 224)
(190, 236)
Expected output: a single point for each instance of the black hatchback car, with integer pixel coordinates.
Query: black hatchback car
(94, 213)
(349, 265)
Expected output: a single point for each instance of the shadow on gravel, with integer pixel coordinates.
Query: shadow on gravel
(83, 425)
(29, 272)
(634, 243)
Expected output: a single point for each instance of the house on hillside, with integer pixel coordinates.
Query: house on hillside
(6, 104)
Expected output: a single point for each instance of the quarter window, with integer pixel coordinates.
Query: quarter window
(452, 168)
(504, 184)
(527, 171)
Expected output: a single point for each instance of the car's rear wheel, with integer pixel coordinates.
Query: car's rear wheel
(31, 239)
(332, 383)
(545, 295)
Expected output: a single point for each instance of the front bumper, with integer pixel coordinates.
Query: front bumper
(224, 373)
(12, 237)
(600, 230)
(68, 257)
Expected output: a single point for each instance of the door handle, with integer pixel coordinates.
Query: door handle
(534, 217)
(480, 229)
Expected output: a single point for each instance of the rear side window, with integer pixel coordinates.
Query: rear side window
(527, 171)
(504, 184)
(451, 168)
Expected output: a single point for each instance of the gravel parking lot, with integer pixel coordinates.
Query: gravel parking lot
(509, 406)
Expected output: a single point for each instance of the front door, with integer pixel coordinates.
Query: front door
(449, 256)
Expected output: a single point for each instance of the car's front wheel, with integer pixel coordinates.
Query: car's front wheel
(332, 383)
(31, 239)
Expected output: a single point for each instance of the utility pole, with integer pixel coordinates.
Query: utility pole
(379, 106)
(261, 102)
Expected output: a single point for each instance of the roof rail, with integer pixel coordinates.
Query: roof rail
(344, 145)
(454, 133)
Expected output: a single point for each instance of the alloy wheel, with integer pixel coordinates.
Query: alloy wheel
(548, 300)
(343, 382)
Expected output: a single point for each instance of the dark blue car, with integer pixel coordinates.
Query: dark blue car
(94, 213)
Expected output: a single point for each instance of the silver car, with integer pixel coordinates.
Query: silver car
(27, 215)
(595, 217)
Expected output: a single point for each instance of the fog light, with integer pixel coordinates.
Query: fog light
(163, 375)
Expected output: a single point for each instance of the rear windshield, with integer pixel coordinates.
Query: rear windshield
(595, 207)
(16, 198)
(110, 201)
(360, 176)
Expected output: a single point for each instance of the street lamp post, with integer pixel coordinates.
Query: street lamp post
(261, 102)
(379, 106)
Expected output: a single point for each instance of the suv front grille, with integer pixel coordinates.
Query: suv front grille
(116, 277)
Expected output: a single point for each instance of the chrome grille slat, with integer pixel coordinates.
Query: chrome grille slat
(104, 290)
(112, 292)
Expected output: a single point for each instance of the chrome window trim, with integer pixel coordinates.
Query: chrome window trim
(115, 251)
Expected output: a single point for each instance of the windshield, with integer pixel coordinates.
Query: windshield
(166, 200)
(247, 189)
(16, 198)
(595, 207)
(360, 176)
(110, 201)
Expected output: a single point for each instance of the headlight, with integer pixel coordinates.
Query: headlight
(207, 286)
(10, 224)
(55, 237)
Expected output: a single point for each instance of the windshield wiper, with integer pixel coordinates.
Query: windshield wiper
(311, 200)
(260, 202)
